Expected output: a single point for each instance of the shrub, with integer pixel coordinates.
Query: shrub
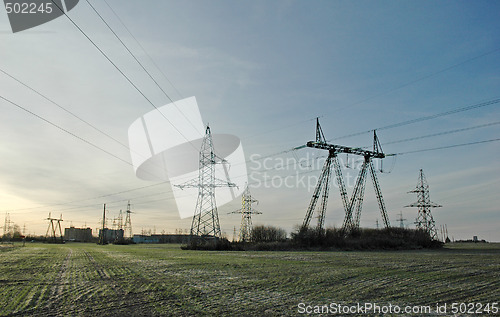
(267, 234)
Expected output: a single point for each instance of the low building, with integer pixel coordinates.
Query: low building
(111, 235)
(161, 238)
(78, 234)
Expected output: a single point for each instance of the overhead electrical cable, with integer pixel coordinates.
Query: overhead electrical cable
(494, 101)
(424, 118)
(448, 146)
(140, 64)
(442, 133)
(70, 112)
(65, 130)
(142, 48)
(282, 177)
(92, 198)
(421, 78)
(64, 109)
(119, 70)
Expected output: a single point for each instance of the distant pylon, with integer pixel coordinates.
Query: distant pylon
(401, 220)
(102, 233)
(205, 222)
(424, 220)
(234, 234)
(54, 228)
(127, 227)
(246, 212)
(120, 220)
(7, 228)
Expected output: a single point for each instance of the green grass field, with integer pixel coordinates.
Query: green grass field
(163, 280)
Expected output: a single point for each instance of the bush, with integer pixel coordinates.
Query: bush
(211, 244)
(267, 234)
(363, 239)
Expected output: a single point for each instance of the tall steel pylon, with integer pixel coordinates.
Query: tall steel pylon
(205, 223)
(401, 220)
(246, 212)
(353, 206)
(127, 226)
(424, 220)
(7, 228)
(54, 228)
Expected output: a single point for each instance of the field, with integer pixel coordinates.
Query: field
(163, 280)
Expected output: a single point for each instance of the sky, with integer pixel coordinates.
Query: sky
(262, 71)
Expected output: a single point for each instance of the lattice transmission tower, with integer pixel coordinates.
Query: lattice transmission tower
(53, 225)
(424, 220)
(401, 220)
(127, 226)
(205, 223)
(353, 206)
(7, 228)
(246, 212)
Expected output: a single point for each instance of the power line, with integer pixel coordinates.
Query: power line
(119, 70)
(300, 147)
(147, 72)
(255, 182)
(65, 131)
(442, 133)
(150, 75)
(421, 78)
(448, 146)
(94, 198)
(70, 112)
(420, 119)
(140, 64)
(64, 109)
(142, 48)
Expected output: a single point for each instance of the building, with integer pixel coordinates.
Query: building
(78, 234)
(161, 238)
(112, 235)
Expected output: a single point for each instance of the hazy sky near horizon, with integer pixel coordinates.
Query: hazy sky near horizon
(260, 70)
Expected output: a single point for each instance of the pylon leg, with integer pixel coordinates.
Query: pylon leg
(324, 198)
(380, 199)
(321, 181)
(359, 202)
(349, 222)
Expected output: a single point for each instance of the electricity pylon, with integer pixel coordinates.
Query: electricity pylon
(353, 206)
(127, 227)
(246, 212)
(7, 228)
(401, 220)
(424, 220)
(102, 234)
(119, 220)
(205, 222)
(54, 228)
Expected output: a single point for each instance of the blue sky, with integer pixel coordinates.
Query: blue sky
(262, 71)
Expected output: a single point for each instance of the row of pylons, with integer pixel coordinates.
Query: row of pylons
(205, 222)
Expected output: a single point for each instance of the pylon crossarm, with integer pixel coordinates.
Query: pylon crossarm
(196, 184)
(343, 149)
(430, 204)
